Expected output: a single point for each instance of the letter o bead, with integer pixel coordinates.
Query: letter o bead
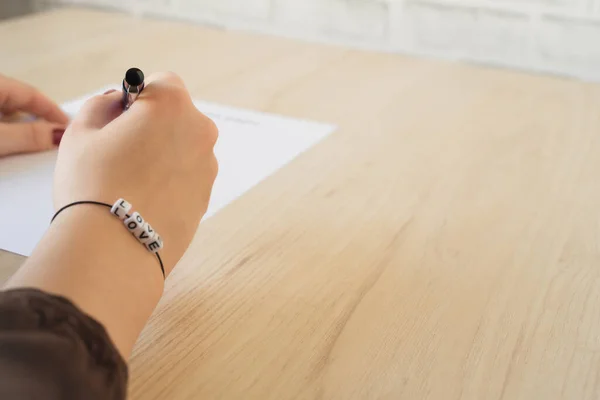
(135, 224)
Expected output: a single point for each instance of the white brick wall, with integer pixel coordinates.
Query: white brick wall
(557, 36)
(569, 44)
(343, 19)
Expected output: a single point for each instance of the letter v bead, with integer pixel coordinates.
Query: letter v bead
(146, 234)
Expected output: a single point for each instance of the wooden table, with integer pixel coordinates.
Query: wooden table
(443, 244)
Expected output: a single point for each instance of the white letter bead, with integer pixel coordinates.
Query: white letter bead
(121, 208)
(155, 244)
(135, 224)
(146, 234)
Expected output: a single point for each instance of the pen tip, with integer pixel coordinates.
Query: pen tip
(134, 76)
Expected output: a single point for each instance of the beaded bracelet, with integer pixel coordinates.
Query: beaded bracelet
(134, 223)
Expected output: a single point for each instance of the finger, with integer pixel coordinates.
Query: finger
(18, 96)
(170, 78)
(17, 117)
(29, 137)
(164, 88)
(164, 92)
(99, 111)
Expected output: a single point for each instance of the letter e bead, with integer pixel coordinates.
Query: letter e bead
(155, 244)
(135, 224)
(120, 209)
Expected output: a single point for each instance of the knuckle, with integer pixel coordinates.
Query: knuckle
(166, 94)
(211, 131)
(172, 77)
(214, 167)
(205, 132)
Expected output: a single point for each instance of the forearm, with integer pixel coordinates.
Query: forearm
(90, 258)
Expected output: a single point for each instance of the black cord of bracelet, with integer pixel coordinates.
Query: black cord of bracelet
(99, 203)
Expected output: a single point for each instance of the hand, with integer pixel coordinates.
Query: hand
(158, 155)
(44, 133)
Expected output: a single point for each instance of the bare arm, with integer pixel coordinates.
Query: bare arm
(159, 156)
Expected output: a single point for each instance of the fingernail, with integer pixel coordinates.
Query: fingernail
(57, 135)
(110, 91)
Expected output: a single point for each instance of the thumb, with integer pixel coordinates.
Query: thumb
(28, 137)
(98, 111)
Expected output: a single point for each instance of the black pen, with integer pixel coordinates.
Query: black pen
(133, 84)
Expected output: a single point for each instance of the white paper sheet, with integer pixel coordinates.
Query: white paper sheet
(251, 147)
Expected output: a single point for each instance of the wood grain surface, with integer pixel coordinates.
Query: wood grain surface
(442, 244)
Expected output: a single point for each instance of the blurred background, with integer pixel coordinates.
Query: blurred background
(552, 36)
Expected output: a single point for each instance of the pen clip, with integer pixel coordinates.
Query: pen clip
(130, 94)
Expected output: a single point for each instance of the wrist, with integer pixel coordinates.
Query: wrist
(89, 256)
(91, 235)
